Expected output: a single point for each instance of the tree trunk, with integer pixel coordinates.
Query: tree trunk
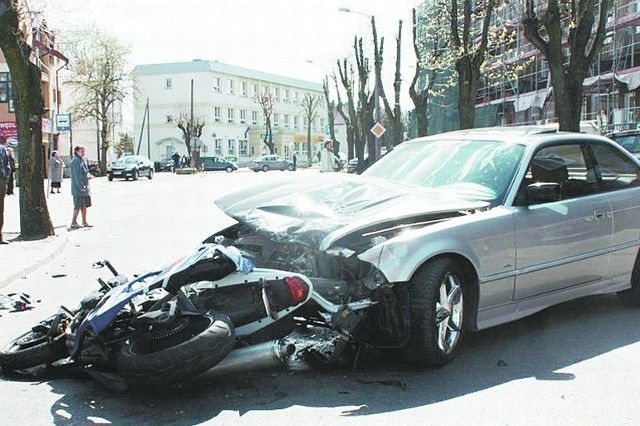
(467, 88)
(29, 107)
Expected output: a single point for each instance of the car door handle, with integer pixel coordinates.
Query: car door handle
(599, 212)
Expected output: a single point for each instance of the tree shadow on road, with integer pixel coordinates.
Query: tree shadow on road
(535, 347)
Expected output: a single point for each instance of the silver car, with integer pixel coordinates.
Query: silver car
(270, 162)
(454, 233)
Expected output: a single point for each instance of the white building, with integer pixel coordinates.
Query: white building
(225, 97)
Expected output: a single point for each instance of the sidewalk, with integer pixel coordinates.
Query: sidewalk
(20, 258)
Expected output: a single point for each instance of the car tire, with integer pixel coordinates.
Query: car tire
(135, 175)
(150, 176)
(110, 178)
(631, 297)
(229, 169)
(436, 310)
(265, 168)
(290, 167)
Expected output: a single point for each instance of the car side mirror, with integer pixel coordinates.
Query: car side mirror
(543, 192)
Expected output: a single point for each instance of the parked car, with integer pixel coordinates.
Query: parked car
(131, 167)
(270, 162)
(454, 233)
(166, 165)
(628, 139)
(218, 163)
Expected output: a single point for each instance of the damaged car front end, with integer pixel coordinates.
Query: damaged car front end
(334, 232)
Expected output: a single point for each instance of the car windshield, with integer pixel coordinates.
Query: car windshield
(629, 142)
(474, 169)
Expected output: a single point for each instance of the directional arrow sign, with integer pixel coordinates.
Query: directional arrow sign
(378, 130)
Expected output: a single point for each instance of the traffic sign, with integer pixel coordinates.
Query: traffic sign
(63, 122)
(378, 130)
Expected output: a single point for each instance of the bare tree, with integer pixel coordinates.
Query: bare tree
(28, 100)
(571, 22)
(349, 117)
(309, 107)
(331, 111)
(98, 62)
(395, 113)
(470, 49)
(266, 100)
(430, 44)
(365, 109)
(191, 126)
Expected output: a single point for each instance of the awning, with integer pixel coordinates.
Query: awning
(531, 99)
(632, 79)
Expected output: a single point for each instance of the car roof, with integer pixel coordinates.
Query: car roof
(525, 135)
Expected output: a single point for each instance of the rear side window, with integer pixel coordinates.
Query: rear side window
(613, 169)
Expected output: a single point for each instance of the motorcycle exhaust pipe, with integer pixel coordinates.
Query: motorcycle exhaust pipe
(254, 357)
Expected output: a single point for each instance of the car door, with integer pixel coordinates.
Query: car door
(564, 243)
(619, 175)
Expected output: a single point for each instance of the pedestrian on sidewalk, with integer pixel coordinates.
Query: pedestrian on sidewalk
(56, 166)
(4, 180)
(328, 160)
(80, 188)
(12, 167)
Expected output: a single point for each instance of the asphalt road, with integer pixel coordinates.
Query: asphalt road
(577, 363)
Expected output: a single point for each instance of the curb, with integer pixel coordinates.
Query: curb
(45, 251)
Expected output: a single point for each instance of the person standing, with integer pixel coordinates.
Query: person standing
(56, 166)
(4, 178)
(328, 160)
(176, 161)
(295, 160)
(12, 167)
(80, 188)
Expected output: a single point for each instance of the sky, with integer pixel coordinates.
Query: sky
(276, 36)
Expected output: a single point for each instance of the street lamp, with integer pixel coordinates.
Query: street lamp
(376, 89)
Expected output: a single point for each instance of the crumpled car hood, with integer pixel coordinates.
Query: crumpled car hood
(318, 212)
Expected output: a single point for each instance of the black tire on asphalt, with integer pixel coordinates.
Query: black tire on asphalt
(135, 175)
(290, 167)
(631, 297)
(229, 169)
(32, 348)
(150, 176)
(423, 347)
(265, 168)
(110, 178)
(209, 339)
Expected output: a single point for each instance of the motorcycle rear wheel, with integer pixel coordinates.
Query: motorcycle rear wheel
(179, 356)
(32, 348)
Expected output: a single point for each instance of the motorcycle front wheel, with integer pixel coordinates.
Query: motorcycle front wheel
(33, 348)
(195, 344)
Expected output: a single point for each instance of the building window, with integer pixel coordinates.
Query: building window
(231, 147)
(276, 94)
(5, 87)
(295, 121)
(276, 119)
(216, 84)
(295, 97)
(230, 117)
(243, 116)
(254, 90)
(254, 117)
(217, 146)
(285, 95)
(243, 147)
(322, 123)
(243, 88)
(230, 87)
(168, 84)
(286, 120)
(216, 114)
